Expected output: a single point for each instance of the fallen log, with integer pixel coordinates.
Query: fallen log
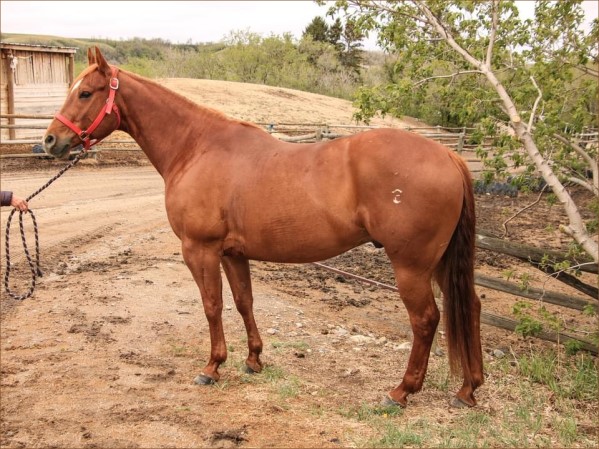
(572, 281)
(481, 280)
(535, 256)
(543, 260)
(509, 324)
(551, 297)
(486, 318)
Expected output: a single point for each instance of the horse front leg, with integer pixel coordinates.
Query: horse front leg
(237, 270)
(204, 264)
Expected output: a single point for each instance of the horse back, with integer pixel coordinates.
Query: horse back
(270, 200)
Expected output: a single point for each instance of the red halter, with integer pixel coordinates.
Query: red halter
(85, 136)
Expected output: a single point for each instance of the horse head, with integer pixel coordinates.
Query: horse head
(89, 112)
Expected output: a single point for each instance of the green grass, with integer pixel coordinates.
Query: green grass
(289, 388)
(369, 412)
(397, 437)
(438, 377)
(543, 399)
(567, 430)
(298, 345)
(571, 377)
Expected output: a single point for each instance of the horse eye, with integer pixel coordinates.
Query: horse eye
(85, 94)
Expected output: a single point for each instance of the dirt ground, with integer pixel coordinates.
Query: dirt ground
(105, 353)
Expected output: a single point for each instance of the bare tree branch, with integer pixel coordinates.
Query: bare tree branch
(576, 225)
(591, 161)
(588, 159)
(584, 184)
(534, 108)
(504, 224)
(495, 8)
(438, 25)
(587, 70)
(452, 75)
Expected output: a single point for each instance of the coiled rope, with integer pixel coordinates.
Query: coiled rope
(34, 265)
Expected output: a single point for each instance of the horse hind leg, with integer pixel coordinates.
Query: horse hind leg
(462, 308)
(467, 349)
(472, 364)
(237, 270)
(417, 295)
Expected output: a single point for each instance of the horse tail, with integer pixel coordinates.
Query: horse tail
(455, 276)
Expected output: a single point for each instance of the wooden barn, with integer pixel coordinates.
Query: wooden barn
(34, 80)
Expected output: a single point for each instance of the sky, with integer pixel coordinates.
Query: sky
(175, 21)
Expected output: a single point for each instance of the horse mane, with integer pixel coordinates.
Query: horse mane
(206, 110)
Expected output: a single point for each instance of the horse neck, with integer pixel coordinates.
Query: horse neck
(164, 124)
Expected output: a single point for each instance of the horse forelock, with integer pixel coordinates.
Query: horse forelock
(83, 74)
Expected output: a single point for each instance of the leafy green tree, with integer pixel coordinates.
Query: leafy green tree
(531, 83)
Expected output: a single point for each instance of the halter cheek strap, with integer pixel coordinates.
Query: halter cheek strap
(111, 106)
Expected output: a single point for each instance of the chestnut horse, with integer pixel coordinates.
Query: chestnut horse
(235, 193)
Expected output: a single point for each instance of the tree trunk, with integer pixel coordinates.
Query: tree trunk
(576, 227)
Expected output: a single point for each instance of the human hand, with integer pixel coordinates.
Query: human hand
(19, 203)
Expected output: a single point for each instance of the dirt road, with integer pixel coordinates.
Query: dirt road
(105, 352)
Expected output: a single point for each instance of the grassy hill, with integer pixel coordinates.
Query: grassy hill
(118, 51)
(247, 58)
(57, 41)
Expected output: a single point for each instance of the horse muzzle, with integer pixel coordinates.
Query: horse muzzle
(54, 146)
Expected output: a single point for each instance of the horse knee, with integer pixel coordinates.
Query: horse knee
(213, 311)
(243, 304)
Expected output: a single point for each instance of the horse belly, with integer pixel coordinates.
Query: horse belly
(307, 237)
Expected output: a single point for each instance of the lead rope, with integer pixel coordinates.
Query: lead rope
(33, 265)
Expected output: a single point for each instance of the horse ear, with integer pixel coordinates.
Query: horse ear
(91, 57)
(103, 66)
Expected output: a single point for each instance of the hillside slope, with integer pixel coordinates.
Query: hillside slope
(266, 104)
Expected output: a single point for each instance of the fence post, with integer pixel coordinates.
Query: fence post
(460, 142)
(318, 134)
(10, 91)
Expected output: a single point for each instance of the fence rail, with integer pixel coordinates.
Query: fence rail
(492, 283)
(456, 139)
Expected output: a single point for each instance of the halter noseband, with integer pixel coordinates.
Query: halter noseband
(85, 136)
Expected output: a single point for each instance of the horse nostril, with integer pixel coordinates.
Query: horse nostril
(49, 141)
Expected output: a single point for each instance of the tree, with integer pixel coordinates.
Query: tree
(318, 29)
(537, 76)
(334, 33)
(346, 40)
(350, 53)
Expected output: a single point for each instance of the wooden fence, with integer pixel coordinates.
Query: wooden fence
(457, 139)
(537, 258)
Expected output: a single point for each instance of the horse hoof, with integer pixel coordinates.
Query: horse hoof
(388, 401)
(202, 379)
(249, 370)
(459, 403)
